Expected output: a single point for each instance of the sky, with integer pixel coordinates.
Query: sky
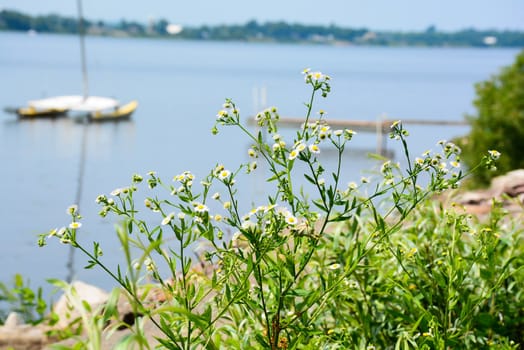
(401, 15)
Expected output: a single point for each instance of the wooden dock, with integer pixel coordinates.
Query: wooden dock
(380, 127)
(366, 125)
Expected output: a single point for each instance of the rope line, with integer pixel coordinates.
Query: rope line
(70, 265)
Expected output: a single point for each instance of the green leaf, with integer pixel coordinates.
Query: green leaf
(86, 306)
(318, 203)
(300, 292)
(110, 308)
(90, 264)
(57, 283)
(207, 314)
(125, 343)
(310, 179)
(339, 218)
(262, 341)
(19, 281)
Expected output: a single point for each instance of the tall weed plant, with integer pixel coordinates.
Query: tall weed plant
(379, 264)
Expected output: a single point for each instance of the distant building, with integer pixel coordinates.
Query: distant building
(321, 38)
(490, 40)
(174, 29)
(369, 36)
(151, 22)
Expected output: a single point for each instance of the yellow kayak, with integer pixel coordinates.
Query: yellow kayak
(120, 113)
(31, 112)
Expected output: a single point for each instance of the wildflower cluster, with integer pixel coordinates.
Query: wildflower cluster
(444, 166)
(289, 272)
(224, 175)
(389, 170)
(228, 115)
(66, 235)
(491, 159)
(397, 130)
(318, 81)
(268, 118)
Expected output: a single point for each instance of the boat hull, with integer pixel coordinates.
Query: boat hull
(121, 113)
(32, 113)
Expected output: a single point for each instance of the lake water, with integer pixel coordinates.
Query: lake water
(180, 85)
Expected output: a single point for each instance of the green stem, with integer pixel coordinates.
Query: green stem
(258, 277)
(289, 184)
(184, 287)
(312, 249)
(308, 114)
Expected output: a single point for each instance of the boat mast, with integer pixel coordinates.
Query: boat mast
(70, 265)
(81, 31)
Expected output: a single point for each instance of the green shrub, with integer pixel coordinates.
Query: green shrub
(499, 122)
(21, 298)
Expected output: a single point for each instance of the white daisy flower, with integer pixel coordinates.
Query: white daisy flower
(291, 220)
(73, 209)
(334, 266)
(75, 225)
(314, 148)
(224, 174)
(116, 192)
(300, 146)
(168, 219)
(248, 225)
(222, 114)
(201, 208)
(494, 154)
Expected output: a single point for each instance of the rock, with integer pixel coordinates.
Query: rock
(69, 306)
(475, 198)
(13, 320)
(509, 185)
(14, 334)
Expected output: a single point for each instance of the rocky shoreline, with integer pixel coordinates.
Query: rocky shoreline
(14, 334)
(507, 190)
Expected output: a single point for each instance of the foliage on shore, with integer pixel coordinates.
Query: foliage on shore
(266, 32)
(499, 122)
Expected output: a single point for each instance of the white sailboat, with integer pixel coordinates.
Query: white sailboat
(95, 108)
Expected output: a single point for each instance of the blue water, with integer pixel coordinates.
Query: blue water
(180, 85)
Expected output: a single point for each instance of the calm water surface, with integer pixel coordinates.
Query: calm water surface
(180, 85)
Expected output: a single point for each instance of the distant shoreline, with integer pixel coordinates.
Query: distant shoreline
(270, 32)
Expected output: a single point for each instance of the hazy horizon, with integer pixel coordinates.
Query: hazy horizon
(401, 15)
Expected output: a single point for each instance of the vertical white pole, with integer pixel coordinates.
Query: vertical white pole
(81, 32)
(378, 131)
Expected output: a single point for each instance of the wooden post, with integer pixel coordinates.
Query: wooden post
(378, 132)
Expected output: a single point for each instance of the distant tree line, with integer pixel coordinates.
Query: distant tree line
(13, 20)
(269, 31)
